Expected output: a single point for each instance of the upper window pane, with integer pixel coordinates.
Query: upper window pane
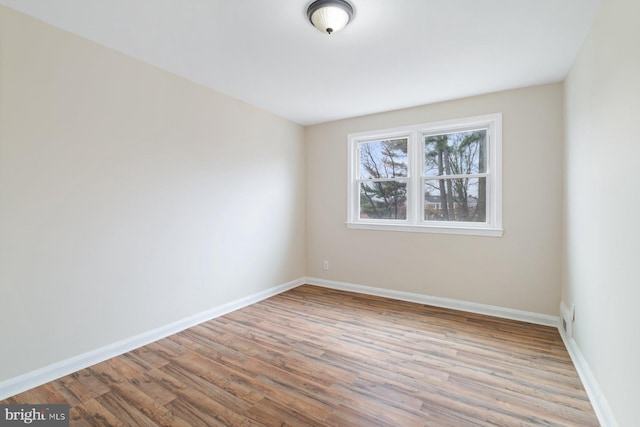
(457, 153)
(383, 159)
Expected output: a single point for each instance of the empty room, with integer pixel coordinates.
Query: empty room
(327, 213)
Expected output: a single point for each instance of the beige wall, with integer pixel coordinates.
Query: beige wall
(521, 270)
(603, 204)
(130, 198)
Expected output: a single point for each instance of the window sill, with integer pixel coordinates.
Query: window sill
(469, 231)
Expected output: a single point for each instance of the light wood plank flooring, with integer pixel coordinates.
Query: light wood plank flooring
(320, 357)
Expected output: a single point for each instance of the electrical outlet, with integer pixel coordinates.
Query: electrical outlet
(325, 265)
(568, 316)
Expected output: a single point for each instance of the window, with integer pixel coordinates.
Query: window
(440, 177)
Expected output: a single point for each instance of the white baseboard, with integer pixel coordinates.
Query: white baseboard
(598, 401)
(32, 379)
(472, 307)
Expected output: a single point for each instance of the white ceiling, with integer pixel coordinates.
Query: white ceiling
(394, 54)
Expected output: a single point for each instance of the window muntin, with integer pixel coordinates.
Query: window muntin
(442, 177)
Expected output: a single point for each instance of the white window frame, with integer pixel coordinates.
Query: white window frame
(415, 180)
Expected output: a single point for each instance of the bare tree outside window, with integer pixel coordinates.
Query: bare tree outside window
(455, 172)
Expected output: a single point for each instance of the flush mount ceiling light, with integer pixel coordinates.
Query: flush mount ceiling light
(329, 16)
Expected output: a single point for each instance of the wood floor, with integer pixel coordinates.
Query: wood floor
(320, 357)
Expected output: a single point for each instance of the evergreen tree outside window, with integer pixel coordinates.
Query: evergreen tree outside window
(442, 177)
(383, 183)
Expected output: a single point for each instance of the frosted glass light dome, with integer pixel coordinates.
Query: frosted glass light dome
(329, 16)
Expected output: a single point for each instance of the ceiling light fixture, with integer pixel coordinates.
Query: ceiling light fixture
(329, 16)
